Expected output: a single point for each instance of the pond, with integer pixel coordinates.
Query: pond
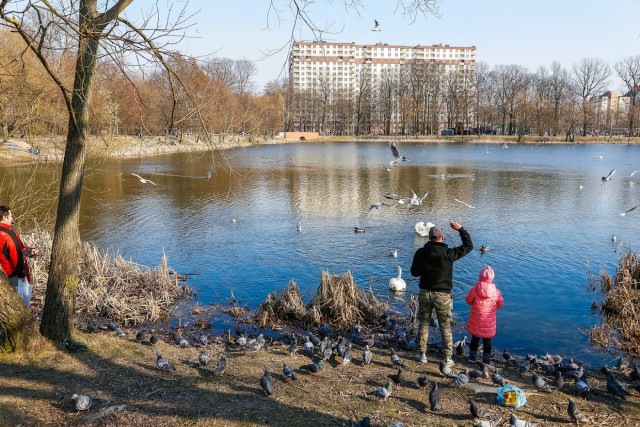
(276, 213)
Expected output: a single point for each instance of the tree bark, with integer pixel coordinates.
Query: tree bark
(17, 324)
(59, 308)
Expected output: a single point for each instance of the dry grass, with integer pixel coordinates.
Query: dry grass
(620, 326)
(110, 286)
(338, 302)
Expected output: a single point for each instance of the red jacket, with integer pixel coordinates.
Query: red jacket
(484, 299)
(9, 253)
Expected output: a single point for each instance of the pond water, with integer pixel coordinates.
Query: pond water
(543, 210)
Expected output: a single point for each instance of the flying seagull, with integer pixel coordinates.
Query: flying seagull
(143, 180)
(377, 26)
(627, 211)
(397, 158)
(608, 177)
(466, 204)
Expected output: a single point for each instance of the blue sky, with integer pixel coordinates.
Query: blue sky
(528, 33)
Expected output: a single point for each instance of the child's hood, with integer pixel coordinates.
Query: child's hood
(485, 289)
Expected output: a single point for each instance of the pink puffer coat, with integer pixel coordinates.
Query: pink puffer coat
(484, 299)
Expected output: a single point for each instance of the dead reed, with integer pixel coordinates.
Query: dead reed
(110, 286)
(338, 302)
(620, 326)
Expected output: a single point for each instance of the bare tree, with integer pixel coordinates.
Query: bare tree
(590, 77)
(629, 71)
(220, 69)
(559, 88)
(243, 72)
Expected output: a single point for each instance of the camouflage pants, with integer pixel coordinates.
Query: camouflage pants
(443, 304)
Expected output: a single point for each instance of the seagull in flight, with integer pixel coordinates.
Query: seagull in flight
(377, 206)
(628, 210)
(417, 201)
(466, 204)
(376, 27)
(397, 158)
(143, 180)
(633, 173)
(608, 177)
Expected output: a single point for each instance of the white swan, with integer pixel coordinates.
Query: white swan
(397, 283)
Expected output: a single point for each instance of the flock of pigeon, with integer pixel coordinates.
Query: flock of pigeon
(546, 374)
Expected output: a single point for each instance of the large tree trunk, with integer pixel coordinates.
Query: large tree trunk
(59, 308)
(17, 324)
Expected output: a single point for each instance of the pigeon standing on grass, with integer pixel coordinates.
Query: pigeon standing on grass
(497, 379)
(203, 358)
(395, 359)
(153, 339)
(461, 380)
(541, 384)
(348, 355)
(515, 422)
(74, 346)
(82, 402)
(383, 392)
(445, 369)
(308, 346)
(221, 366)
(287, 371)
(434, 397)
(163, 364)
(475, 411)
(266, 384)
(293, 347)
(557, 381)
(575, 414)
(367, 356)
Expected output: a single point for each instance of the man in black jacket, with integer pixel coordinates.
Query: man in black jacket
(434, 264)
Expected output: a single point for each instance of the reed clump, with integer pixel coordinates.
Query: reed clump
(620, 309)
(110, 286)
(338, 302)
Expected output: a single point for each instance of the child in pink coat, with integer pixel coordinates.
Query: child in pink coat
(485, 299)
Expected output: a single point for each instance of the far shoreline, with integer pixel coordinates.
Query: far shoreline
(51, 149)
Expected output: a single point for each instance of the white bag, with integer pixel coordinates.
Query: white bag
(24, 290)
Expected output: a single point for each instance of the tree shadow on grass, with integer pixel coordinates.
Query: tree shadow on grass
(147, 392)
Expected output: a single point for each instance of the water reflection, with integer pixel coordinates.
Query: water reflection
(528, 207)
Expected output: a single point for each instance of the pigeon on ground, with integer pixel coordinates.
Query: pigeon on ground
(434, 397)
(395, 359)
(266, 384)
(221, 366)
(324, 344)
(554, 358)
(308, 346)
(541, 384)
(476, 373)
(515, 422)
(445, 370)
(635, 374)
(475, 411)
(506, 355)
(112, 326)
(82, 402)
(497, 379)
(201, 338)
(383, 392)
(581, 386)
(616, 387)
(162, 364)
(557, 381)
(622, 363)
(341, 346)
(423, 382)
(328, 352)
(396, 378)
(314, 339)
(241, 340)
(153, 339)
(74, 346)
(367, 356)
(203, 358)
(313, 367)
(365, 422)
(257, 343)
(461, 380)
(141, 336)
(487, 423)
(120, 333)
(287, 371)
(575, 414)
(293, 347)
(92, 327)
(460, 346)
(348, 355)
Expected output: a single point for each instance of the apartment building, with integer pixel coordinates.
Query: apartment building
(346, 68)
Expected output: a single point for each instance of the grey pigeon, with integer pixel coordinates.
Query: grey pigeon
(476, 373)
(201, 338)
(383, 392)
(396, 378)
(541, 384)
(314, 340)
(475, 411)
(506, 355)
(92, 327)
(460, 346)
(575, 414)
(423, 382)
(141, 336)
(203, 358)
(120, 333)
(515, 422)
(288, 372)
(581, 386)
(557, 381)
(241, 340)
(293, 347)
(162, 364)
(257, 343)
(313, 367)
(74, 346)
(616, 388)
(395, 359)
(112, 326)
(328, 352)
(183, 343)
(497, 379)
(221, 366)
(308, 346)
(444, 369)
(341, 347)
(434, 397)
(153, 339)
(367, 356)
(486, 423)
(622, 362)
(324, 344)
(266, 384)
(348, 355)
(82, 402)
(461, 380)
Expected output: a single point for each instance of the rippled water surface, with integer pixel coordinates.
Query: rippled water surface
(543, 211)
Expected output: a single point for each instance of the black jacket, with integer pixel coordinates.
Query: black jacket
(434, 263)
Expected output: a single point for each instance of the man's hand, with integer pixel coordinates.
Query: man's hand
(455, 225)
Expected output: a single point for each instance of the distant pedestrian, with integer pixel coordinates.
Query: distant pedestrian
(485, 299)
(434, 264)
(13, 252)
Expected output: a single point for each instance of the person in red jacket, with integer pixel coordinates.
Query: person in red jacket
(12, 251)
(485, 299)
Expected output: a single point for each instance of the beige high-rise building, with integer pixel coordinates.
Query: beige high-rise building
(347, 68)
